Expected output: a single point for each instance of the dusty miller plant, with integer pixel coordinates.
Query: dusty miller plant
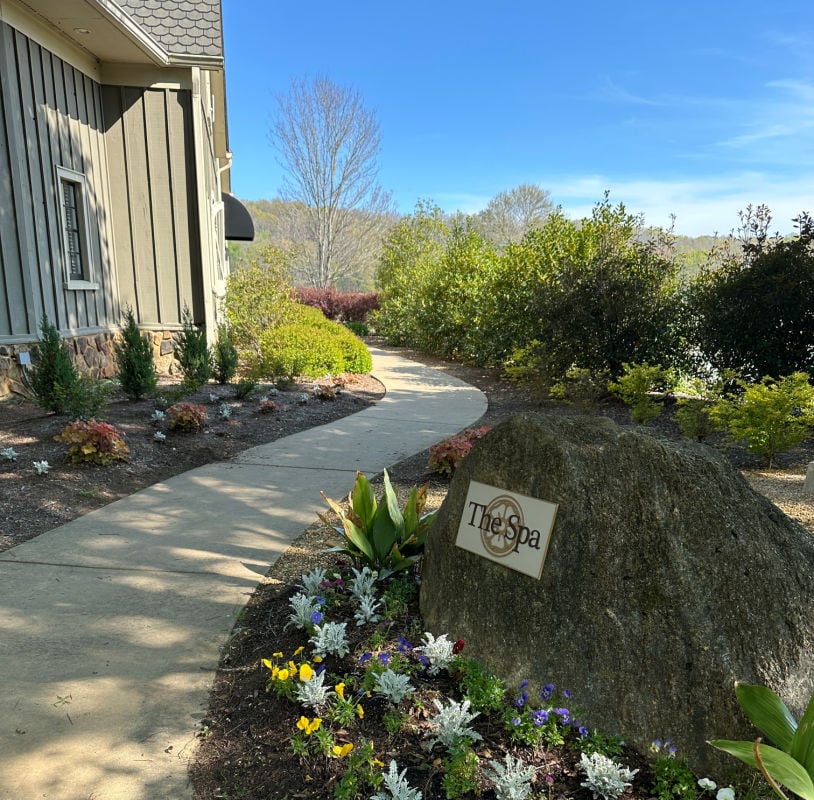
(314, 694)
(362, 582)
(397, 786)
(438, 652)
(393, 685)
(311, 582)
(303, 606)
(512, 780)
(604, 777)
(366, 611)
(330, 639)
(452, 724)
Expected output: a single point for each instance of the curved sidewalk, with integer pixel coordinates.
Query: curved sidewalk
(110, 626)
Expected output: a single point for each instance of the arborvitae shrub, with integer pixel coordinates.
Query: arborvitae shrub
(134, 359)
(225, 356)
(193, 354)
(53, 373)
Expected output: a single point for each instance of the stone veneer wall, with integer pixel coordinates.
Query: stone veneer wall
(92, 355)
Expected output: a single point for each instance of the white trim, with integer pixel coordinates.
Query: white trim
(65, 175)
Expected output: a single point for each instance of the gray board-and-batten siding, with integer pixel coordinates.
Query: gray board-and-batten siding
(133, 145)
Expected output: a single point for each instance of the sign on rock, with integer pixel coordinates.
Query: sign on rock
(505, 527)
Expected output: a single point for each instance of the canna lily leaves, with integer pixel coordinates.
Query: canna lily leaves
(779, 765)
(362, 501)
(350, 530)
(393, 510)
(768, 713)
(802, 743)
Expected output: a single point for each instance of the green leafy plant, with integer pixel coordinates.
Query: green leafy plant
(224, 356)
(693, 418)
(193, 354)
(85, 398)
(791, 761)
(244, 387)
(770, 417)
(93, 442)
(462, 772)
(673, 778)
(52, 369)
(380, 535)
(134, 360)
(446, 456)
(186, 417)
(485, 691)
(581, 387)
(635, 386)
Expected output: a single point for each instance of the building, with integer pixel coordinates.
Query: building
(114, 173)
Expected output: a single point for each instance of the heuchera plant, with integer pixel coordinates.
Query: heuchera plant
(94, 442)
(445, 457)
(186, 417)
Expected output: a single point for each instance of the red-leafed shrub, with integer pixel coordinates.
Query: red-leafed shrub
(342, 306)
(445, 457)
(186, 417)
(94, 442)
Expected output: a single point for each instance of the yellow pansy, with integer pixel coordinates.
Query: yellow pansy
(318, 659)
(283, 674)
(306, 673)
(275, 671)
(341, 752)
(360, 712)
(292, 668)
(297, 651)
(377, 763)
(267, 664)
(313, 726)
(340, 690)
(276, 655)
(302, 723)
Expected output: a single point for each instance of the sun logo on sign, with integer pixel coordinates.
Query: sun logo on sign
(495, 523)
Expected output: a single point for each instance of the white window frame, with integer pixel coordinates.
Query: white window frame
(66, 175)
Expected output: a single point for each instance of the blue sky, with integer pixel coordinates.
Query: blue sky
(691, 108)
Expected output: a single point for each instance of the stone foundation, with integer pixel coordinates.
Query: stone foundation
(93, 355)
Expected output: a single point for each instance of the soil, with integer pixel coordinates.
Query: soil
(32, 503)
(245, 741)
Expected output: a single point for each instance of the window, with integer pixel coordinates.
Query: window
(76, 249)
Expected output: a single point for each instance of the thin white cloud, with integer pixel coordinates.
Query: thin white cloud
(613, 92)
(701, 206)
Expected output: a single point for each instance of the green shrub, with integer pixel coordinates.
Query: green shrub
(484, 690)
(312, 346)
(462, 772)
(358, 328)
(93, 442)
(634, 387)
(244, 387)
(86, 398)
(673, 779)
(693, 418)
(134, 359)
(769, 417)
(53, 372)
(193, 354)
(225, 356)
(581, 387)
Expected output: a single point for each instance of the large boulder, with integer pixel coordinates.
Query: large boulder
(666, 579)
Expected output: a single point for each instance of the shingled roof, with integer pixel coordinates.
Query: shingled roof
(181, 27)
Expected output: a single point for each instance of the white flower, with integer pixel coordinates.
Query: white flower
(9, 453)
(727, 793)
(41, 467)
(707, 785)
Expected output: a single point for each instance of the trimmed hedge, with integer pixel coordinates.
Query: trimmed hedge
(342, 306)
(313, 346)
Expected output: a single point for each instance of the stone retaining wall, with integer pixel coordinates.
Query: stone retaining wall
(93, 355)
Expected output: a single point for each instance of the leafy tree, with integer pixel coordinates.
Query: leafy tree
(258, 297)
(510, 215)
(754, 313)
(134, 359)
(328, 143)
(225, 356)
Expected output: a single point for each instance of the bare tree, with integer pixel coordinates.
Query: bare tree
(510, 214)
(328, 142)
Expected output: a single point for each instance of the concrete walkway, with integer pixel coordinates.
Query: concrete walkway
(110, 626)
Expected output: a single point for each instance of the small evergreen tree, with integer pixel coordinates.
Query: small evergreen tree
(225, 356)
(193, 354)
(53, 374)
(134, 359)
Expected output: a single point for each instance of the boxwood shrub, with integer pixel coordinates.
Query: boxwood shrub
(313, 346)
